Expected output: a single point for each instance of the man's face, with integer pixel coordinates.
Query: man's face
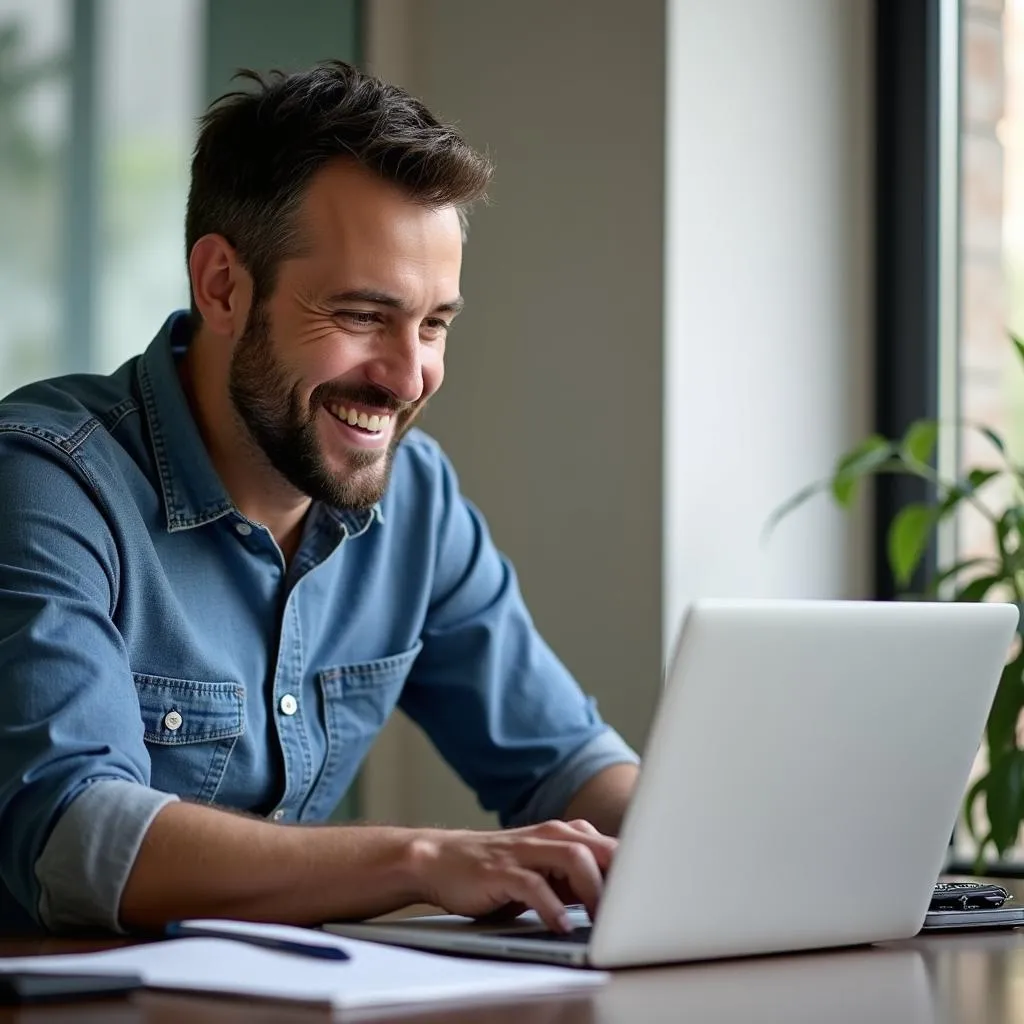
(333, 367)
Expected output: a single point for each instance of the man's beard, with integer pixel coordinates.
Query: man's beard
(286, 434)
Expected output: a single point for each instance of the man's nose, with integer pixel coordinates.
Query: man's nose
(397, 364)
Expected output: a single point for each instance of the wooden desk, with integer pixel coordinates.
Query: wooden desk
(974, 979)
(938, 979)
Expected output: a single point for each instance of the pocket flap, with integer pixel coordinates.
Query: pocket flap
(367, 674)
(182, 711)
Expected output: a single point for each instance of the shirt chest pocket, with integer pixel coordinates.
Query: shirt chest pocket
(190, 730)
(357, 700)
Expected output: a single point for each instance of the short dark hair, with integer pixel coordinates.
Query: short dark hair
(258, 149)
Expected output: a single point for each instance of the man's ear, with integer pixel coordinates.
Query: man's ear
(221, 286)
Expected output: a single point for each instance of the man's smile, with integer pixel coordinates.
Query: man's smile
(359, 426)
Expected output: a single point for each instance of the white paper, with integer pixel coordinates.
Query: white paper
(377, 975)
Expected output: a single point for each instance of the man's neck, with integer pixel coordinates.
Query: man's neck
(257, 490)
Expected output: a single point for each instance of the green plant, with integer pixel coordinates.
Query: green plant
(999, 575)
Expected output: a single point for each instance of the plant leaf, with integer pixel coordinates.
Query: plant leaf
(919, 441)
(1018, 344)
(969, 801)
(996, 440)
(977, 478)
(1010, 520)
(844, 490)
(950, 501)
(908, 536)
(1004, 798)
(1001, 728)
(1002, 784)
(861, 461)
(955, 570)
(964, 489)
(977, 589)
(987, 432)
(789, 506)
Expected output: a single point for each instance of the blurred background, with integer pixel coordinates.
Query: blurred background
(728, 238)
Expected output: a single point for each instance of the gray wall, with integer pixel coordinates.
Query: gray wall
(551, 410)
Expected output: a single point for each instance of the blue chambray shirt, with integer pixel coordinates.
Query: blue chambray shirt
(154, 645)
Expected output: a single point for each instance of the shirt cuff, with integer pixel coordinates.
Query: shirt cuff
(85, 864)
(552, 796)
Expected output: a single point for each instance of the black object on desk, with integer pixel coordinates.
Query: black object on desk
(17, 987)
(968, 896)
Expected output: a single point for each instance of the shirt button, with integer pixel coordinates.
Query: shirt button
(289, 705)
(172, 720)
(243, 529)
(277, 815)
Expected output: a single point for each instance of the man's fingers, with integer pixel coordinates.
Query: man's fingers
(505, 914)
(526, 886)
(543, 867)
(582, 825)
(601, 846)
(572, 862)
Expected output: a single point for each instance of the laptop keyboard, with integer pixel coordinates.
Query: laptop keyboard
(580, 934)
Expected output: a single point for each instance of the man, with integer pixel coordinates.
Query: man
(224, 565)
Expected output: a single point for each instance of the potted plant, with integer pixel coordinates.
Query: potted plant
(999, 575)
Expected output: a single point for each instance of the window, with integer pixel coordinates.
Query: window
(991, 244)
(149, 91)
(34, 122)
(990, 376)
(98, 100)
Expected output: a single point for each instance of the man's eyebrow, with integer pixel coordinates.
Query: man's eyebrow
(391, 301)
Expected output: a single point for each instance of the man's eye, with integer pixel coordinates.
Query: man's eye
(359, 317)
(436, 327)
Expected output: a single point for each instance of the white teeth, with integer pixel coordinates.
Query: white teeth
(372, 424)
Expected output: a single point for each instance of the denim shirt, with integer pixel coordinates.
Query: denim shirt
(154, 645)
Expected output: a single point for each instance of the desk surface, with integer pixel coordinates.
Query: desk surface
(938, 979)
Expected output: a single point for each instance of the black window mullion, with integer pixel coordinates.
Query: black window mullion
(908, 169)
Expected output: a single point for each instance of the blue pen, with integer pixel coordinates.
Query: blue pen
(179, 930)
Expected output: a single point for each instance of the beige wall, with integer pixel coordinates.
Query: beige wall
(558, 411)
(551, 410)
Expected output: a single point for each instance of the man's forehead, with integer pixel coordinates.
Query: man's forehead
(347, 202)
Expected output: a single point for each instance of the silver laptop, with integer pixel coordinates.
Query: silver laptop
(800, 784)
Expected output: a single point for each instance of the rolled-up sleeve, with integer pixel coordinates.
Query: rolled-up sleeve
(74, 769)
(493, 697)
(81, 872)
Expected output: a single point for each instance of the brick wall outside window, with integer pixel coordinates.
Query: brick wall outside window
(991, 376)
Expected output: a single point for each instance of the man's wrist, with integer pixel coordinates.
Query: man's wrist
(398, 865)
(420, 862)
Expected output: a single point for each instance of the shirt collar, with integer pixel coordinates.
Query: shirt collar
(193, 492)
(355, 521)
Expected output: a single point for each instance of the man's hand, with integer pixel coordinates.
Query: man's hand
(540, 867)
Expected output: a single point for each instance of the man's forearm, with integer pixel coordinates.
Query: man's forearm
(603, 799)
(198, 861)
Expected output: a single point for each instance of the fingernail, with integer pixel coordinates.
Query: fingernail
(564, 924)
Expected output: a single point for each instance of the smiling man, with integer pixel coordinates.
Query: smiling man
(224, 565)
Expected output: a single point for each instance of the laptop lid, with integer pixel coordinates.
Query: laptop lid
(802, 777)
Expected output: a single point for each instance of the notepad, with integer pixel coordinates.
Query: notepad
(375, 976)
